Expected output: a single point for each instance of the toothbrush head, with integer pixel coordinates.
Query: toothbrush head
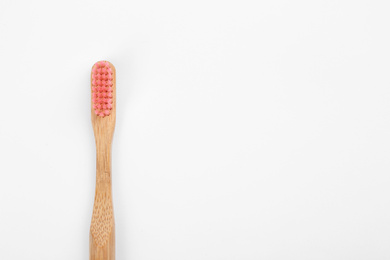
(102, 88)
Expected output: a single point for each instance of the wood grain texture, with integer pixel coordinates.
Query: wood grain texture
(102, 232)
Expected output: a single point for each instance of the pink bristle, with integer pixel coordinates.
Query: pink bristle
(102, 76)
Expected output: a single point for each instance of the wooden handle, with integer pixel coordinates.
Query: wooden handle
(102, 235)
(106, 252)
(102, 232)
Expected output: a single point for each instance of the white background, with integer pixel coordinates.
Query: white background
(246, 130)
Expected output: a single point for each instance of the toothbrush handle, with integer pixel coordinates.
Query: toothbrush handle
(105, 252)
(102, 233)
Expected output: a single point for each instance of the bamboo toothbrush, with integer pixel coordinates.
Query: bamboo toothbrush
(103, 109)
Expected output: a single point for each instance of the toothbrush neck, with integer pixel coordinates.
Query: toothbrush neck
(103, 164)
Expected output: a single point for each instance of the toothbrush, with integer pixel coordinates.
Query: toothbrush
(102, 232)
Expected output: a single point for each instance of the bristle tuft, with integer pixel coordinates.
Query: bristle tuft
(102, 84)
